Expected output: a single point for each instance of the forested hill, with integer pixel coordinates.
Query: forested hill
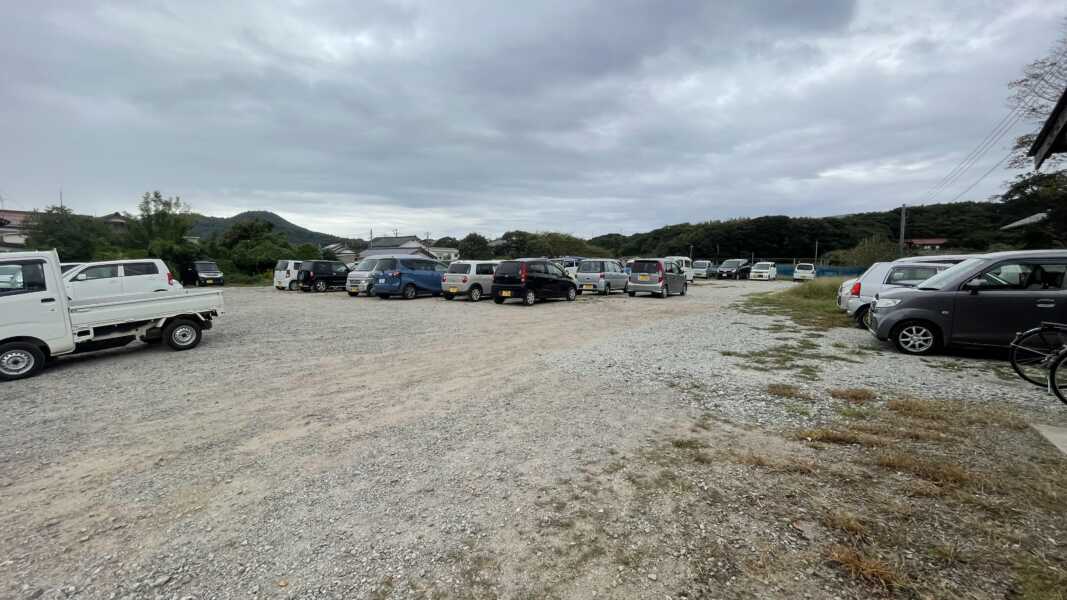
(968, 225)
(204, 227)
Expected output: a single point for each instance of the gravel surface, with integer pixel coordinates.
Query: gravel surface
(320, 446)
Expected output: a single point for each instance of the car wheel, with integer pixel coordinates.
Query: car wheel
(498, 300)
(915, 337)
(182, 334)
(685, 288)
(448, 296)
(19, 360)
(475, 294)
(862, 316)
(666, 291)
(632, 294)
(353, 294)
(529, 298)
(572, 293)
(409, 291)
(293, 285)
(320, 286)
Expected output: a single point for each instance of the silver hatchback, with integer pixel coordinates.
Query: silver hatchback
(470, 278)
(602, 275)
(657, 276)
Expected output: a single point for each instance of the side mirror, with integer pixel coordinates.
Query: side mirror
(974, 285)
(80, 277)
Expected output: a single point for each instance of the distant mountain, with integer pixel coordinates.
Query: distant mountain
(205, 227)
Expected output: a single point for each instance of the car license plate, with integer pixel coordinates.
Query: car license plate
(642, 277)
(587, 286)
(209, 281)
(453, 290)
(505, 293)
(382, 280)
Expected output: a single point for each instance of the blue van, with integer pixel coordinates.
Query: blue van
(408, 277)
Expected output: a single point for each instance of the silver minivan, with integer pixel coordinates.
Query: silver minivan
(657, 276)
(360, 278)
(601, 275)
(470, 278)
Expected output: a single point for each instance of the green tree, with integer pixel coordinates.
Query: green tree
(867, 252)
(307, 252)
(160, 230)
(74, 237)
(474, 247)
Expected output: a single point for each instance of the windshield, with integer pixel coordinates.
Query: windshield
(645, 266)
(700, 264)
(367, 264)
(206, 266)
(762, 266)
(65, 268)
(282, 265)
(938, 281)
(459, 268)
(591, 266)
(730, 264)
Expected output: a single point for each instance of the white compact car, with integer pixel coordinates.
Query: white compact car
(285, 274)
(766, 271)
(704, 269)
(118, 278)
(803, 272)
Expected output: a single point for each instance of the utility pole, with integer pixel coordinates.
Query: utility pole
(816, 251)
(396, 232)
(903, 226)
(60, 196)
(690, 251)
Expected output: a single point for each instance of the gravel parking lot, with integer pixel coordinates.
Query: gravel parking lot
(317, 445)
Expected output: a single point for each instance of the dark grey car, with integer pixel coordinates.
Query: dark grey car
(657, 276)
(982, 301)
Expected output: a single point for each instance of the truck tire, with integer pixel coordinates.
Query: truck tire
(182, 334)
(19, 360)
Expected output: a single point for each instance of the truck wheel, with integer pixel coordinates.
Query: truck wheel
(293, 285)
(182, 334)
(19, 360)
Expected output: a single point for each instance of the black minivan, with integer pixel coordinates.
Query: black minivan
(322, 275)
(530, 280)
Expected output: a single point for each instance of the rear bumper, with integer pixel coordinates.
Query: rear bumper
(456, 288)
(591, 286)
(802, 277)
(650, 288)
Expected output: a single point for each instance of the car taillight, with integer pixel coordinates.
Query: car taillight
(856, 289)
(659, 270)
(170, 278)
(601, 275)
(464, 280)
(311, 274)
(522, 272)
(395, 274)
(444, 278)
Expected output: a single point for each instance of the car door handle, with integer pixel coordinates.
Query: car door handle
(1046, 303)
(47, 300)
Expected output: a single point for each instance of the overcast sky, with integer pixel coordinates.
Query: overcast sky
(452, 116)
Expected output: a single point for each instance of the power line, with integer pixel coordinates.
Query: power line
(984, 175)
(999, 130)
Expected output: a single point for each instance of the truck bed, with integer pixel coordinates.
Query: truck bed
(143, 307)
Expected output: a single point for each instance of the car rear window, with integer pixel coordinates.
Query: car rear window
(591, 266)
(386, 264)
(910, 276)
(508, 267)
(135, 269)
(645, 266)
(805, 267)
(459, 268)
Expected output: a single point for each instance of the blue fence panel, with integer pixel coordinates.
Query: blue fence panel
(786, 271)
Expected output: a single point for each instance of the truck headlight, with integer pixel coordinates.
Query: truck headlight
(886, 302)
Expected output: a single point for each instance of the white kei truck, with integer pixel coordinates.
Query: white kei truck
(39, 322)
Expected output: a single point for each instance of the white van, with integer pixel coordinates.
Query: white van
(285, 274)
(119, 277)
(686, 264)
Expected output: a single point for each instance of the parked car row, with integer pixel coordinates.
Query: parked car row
(526, 279)
(924, 304)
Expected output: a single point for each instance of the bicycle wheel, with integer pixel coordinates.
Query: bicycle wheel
(1032, 354)
(1057, 377)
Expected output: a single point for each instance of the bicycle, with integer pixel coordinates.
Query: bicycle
(1035, 351)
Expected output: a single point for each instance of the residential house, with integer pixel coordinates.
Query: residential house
(13, 232)
(342, 252)
(405, 244)
(444, 253)
(925, 243)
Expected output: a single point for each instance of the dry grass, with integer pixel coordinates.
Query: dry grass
(888, 430)
(938, 471)
(956, 413)
(854, 395)
(840, 437)
(845, 521)
(785, 390)
(860, 566)
(753, 459)
(688, 444)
